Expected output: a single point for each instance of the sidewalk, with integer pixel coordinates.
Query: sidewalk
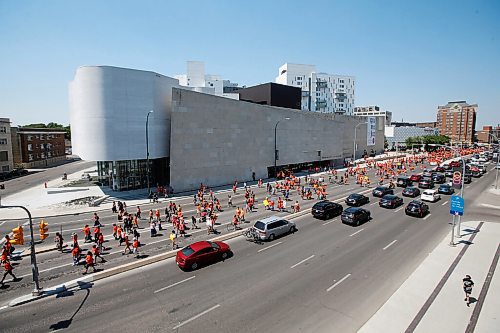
(432, 299)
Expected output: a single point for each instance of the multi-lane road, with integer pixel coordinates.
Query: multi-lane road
(326, 277)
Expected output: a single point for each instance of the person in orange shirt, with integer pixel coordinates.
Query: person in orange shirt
(76, 255)
(135, 245)
(89, 262)
(97, 253)
(8, 271)
(86, 232)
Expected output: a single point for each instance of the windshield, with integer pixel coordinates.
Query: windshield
(259, 225)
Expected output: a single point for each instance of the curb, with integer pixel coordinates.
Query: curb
(49, 249)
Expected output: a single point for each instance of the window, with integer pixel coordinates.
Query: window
(30, 147)
(30, 137)
(298, 78)
(3, 129)
(30, 157)
(3, 141)
(5, 168)
(42, 137)
(4, 157)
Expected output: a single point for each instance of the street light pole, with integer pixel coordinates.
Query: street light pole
(354, 146)
(496, 166)
(275, 147)
(34, 267)
(147, 151)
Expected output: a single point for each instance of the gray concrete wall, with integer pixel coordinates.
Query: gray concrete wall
(216, 140)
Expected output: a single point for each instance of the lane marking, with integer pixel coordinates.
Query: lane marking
(467, 186)
(357, 232)
(330, 222)
(444, 203)
(397, 210)
(425, 218)
(302, 261)
(339, 282)
(195, 317)
(391, 243)
(4, 307)
(374, 203)
(174, 284)
(270, 246)
(490, 206)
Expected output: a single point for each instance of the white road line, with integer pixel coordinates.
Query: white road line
(195, 317)
(4, 307)
(444, 203)
(394, 241)
(175, 284)
(467, 186)
(329, 222)
(425, 218)
(270, 246)
(374, 203)
(339, 282)
(357, 232)
(302, 261)
(397, 210)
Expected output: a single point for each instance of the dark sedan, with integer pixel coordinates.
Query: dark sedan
(326, 210)
(426, 183)
(440, 169)
(417, 208)
(438, 178)
(446, 189)
(411, 192)
(390, 201)
(355, 216)
(380, 191)
(356, 199)
(448, 173)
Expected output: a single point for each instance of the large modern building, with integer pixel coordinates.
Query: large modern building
(396, 135)
(6, 158)
(273, 94)
(195, 137)
(321, 92)
(373, 111)
(457, 120)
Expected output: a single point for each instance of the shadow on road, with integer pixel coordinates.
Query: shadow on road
(66, 323)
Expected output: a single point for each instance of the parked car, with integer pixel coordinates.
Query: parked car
(404, 181)
(411, 192)
(380, 191)
(425, 183)
(202, 253)
(355, 216)
(446, 189)
(356, 199)
(430, 195)
(415, 178)
(272, 227)
(417, 208)
(468, 178)
(390, 201)
(440, 169)
(438, 178)
(448, 173)
(326, 209)
(455, 164)
(427, 173)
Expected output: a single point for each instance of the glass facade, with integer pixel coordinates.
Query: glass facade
(132, 174)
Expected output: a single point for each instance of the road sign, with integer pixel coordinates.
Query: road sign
(457, 177)
(457, 205)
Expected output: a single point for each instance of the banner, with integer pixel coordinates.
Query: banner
(371, 129)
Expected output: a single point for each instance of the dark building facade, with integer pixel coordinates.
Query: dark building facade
(273, 94)
(35, 147)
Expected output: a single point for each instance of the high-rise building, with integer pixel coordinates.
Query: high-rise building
(457, 120)
(321, 92)
(373, 111)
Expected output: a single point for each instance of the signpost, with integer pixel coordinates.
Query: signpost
(456, 209)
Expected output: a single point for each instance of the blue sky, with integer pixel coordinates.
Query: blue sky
(407, 56)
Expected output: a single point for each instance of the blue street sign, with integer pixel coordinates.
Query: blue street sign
(457, 205)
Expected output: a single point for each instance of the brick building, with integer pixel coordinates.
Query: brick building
(37, 147)
(6, 160)
(457, 120)
(484, 136)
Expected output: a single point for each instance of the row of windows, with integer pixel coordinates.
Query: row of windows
(43, 136)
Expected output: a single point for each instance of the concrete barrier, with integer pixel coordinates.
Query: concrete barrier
(66, 190)
(98, 201)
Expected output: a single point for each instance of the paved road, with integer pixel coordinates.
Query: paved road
(39, 177)
(326, 277)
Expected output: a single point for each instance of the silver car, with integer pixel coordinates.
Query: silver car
(272, 227)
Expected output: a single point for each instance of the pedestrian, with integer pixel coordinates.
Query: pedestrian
(152, 226)
(467, 284)
(172, 239)
(59, 241)
(86, 232)
(113, 208)
(97, 253)
(8, 271)
(127, 245)
(138, 214)
(135, 245)
(89, 262)
(76, 256)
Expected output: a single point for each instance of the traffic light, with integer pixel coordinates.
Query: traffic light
(44, 229)
(18, 236)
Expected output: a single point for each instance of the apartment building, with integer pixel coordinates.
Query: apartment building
(321, 92)
(373, 111)
(457, 120)
(37, 147)
(6, 159)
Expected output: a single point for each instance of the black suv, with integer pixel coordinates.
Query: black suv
(390, 201)
(355, 216)
(438, 178)
(417, 208)
(326, 209)
(411, 192)
(404, 181)
(426, 183)
(356, 199)
(380, 191)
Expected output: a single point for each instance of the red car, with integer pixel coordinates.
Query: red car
(415, 178)
(202, 253)
(455, 164)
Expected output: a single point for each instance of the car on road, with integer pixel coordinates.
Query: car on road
(425, 183)
(455, 164)
(475, 172)
(326, 209)
(411, 192)
(448, 173)
(415, 178)
(355, 216)
(430, 195)
(390, 201)
(357, 200)
(497, 166)
(273, 227)
(202, 253)
(440, 169)
(426, 174)
(438, 178)
(404, 181)
(417, 208)
(446, 189)
(380, 191)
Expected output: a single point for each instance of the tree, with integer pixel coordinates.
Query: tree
(427, 140)
(66, 129)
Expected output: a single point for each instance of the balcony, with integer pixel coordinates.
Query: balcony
(341, 96)
(321, 84)
(320, 104)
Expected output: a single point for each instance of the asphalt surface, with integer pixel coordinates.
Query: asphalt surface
(327, 277)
